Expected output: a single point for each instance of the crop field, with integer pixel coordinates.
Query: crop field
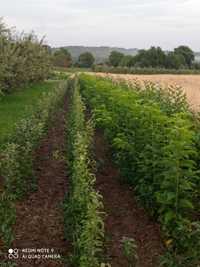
(99, 146)
(189, 83)
(104, 173)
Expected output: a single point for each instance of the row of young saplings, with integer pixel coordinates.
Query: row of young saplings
(155, 143)
(83, 207)
(147, 70)
(152, 137)
(17, 157)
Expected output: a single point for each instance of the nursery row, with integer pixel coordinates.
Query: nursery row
(153, 139)
(83, 205)
(17, 156)
(151, 71)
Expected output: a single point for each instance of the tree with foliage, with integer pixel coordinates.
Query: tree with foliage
(23, 59)
(86, 60)
(196, 65)
(62, 58)
(127, 61)
(174, 61)
(115, 58)
(187, 53)
(153, 57)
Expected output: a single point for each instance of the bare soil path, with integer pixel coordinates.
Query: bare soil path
(124, 217)
(39, 217)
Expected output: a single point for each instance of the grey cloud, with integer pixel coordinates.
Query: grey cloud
(129, 23)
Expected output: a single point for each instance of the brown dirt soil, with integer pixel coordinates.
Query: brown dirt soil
(189, 83)
(39, 217)
(124, 217)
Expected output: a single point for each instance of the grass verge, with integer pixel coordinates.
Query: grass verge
(15, 106)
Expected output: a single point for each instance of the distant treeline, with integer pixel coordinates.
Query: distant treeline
(134, 70)
(182, 58)
(23, 59)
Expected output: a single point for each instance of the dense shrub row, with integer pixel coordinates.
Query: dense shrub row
(133, 70)
(171, 99)
(155, 149)
(23, 59)
(16, 165)
(82, 208)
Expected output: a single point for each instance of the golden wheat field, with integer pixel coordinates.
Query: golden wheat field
(189, 83)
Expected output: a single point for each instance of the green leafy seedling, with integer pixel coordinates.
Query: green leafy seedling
(129, 248)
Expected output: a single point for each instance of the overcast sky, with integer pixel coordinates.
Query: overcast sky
(122, 23)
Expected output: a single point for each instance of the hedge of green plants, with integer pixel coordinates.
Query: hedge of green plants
(154, 145)
(128, 70)
(83, 205)
(16, 164)
(24, 59)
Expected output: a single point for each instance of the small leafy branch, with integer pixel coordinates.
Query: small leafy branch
(129, 248)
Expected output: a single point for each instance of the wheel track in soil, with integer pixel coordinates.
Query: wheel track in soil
(124, 217)
(39, 221)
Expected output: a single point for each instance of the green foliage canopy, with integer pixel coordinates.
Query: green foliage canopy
(62, 58)
(181, 58)
(86, 60)
(115, 58)
(23, 59)
(187, 54)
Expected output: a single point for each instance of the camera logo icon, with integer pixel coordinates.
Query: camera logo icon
(13, 253)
